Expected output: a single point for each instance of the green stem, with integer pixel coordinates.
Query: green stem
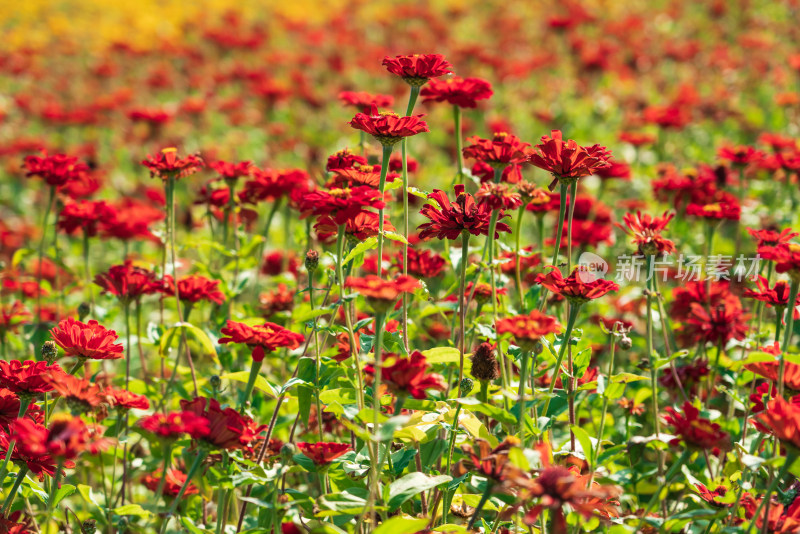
(86, 271)
(376, 406)
(573, 194)
(462, 311)
(50, 207)
(23, 407)
(481, 504)
(770, 490)
(650, 359)
(787, 335)
(265, 233)
(517, 259)
(459, 144)
(601, 426)
(348, 320)
(572, 316)
(201, 455)
(387, 153)
(10, 499)
(412, 99)
(523, 373)
(450, 447)
(255, 367)
(670, 474)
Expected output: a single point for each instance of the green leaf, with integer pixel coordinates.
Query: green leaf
(86, 492)
(132, 509)
(261, 382)
(361, 248)
(412, 484)
(401, 525)
(394, 236)
(194, 335)
(63, 492)
(586, 442)
(443, 355)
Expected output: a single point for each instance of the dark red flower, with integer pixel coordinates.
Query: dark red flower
(777, 295)
(131, 220)
(85, 215)
(37, 463)
(127, 282)
(173, 482)
(166, 164)
(230, 171)
(56, 170)
(65, 439)
(387, 127)
(272, 184)
(358, 228)
(646, 233)
(772, 238)
(86, 340)
(502, 150)
(323, 453)
(262, 338)
(344, 159)
(340, 204)
(566, 160)
(173, 425)
(693, 430)
(28, 377)
(461, 92)
(498, 196)
(715, 210)
(417, 69)
(227, 428)
(9, 409)
(408, 376)
(16, 523)
(422, 263)
(719, 324)
(528, 329)
(579, 287)
(194, 288)
(449, 221)
(363, 101)
(741, 155)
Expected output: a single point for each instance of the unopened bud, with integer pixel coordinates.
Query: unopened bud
(89, 526)
(312, 260)
(215, 381)
(49, 351)
(84, 309)
(465, 387)
(625, 343)
(288, 451)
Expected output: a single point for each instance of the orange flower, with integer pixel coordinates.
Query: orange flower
(783, 419)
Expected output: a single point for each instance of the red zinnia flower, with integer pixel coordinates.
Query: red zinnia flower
(194, 288)
(740, 156)
(173, 424)
(693, 430)
(127, 282)
(131, 220)
(12, 316)
(340, 204)
(381, 294)
(715, 210)
(85, 215)
(783, 419)
(9, 409)
(578, 287)
(461, 92)
(66, 438)
(646, 233)
(344, 159)
(409, 376)
(173, 482)
(786, 258)
(772, 238)
(16, 523)
(769, 370)
(417, 69)
(422, 263)
(387, 127)
(122, 399)
(55, 170)
(502, 150)
(166, 164)
(449, 221)
(263, 338)
(323, 453)
(719, 324)
(778, 295)
(566, 160)
(40, 464)
(272, 184)
(498, 196)
(227, 428)
(28, 377)
(81, 395)
(86, 340)
(230, 171)
(364, 101)
(358, 228)
(528, 329)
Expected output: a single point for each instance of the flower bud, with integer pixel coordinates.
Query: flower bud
(312, 260)
(49, 351)
(288, 451)
(215, 382)
(89, 526)
(465, 387)
(625, 343)
(485, 366)
(84, 309)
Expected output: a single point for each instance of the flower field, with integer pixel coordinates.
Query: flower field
(409, 267)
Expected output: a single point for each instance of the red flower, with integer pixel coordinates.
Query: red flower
(578, 287)
(55, 170)
(166, 164)
(693, 430)
(230, 171)
(86, 340)
(778, 295)
(81, 395)
(719, 324)
(272, 184)
(85, 215)
(409, 376)
(740, 156)
(461, 92)
(12, 316)
(323, 453)
(16, 523)
(786, 258)
(387, 127)
(173, 424)
(772, 238)
(66, 438)
(417, 69)
(715, 210)
(28, 377)
(498, 196)
(340, 204)
(449, 221)
(131, 220)
(194, 288)
(616, 170)
(227, 428)
(122, 399)
(173, 482)
(492, 463)
(499, 152)
(344, 159)
(127, 282)
(264, 338)
(769, 370)
(377, 290)
(358, 228)
(9, 409)
(422, 263)
(637, 139)
(528, 329)
(783, 419)
(566, 160)
(646, 233)
(272, 302)
(364, 101)
(39, 464)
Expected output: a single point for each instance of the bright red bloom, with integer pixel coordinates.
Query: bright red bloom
(344, 159)
(786, 258)
(340, 204)
(194, 288)
(387, 127)
(81, 395)
(55, 170)
(86, 340)
(498, 196)
(783, 419)
(772, 238)
(769, 370)
(16, 523)
(461, 92)
(374, 288)
(417, 69)
(358, 228)
(409, 376)
(9, 409)
(173, 482)
(364, 101)
(28, 377)
(263, 338)
(566, 160)
(122, 399)
(131, 220)
(39, 464)
(670, 116)
(579, 287)
(227, 428)
(449, 221)
(502, 150)
(66, 438)
(422, 263)
(778, 295)
(693, 430)
(166, 164)
(323, 453)
(173, 424)
(232, 171)
(528, 329)
(356, 176)
(740, 156)
(272, 184)
(646, 232)
(85, 215)
(715, 210)
(127, 282)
